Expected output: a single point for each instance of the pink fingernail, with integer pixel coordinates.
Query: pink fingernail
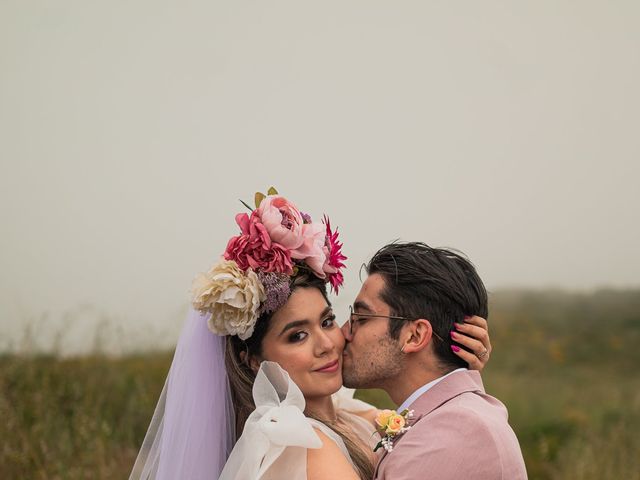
(453, 334)
(456, 325)
(455, 348)
(467, 318)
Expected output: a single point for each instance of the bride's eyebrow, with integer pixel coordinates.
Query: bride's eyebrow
(294, 324)
(326, 311)
(300, 323)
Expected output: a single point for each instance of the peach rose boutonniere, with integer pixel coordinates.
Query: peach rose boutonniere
(390, 424)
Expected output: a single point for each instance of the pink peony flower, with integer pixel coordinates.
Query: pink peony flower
(286, 226)
(312, 250)
(334, 257)
(283, 221)
(254, 248)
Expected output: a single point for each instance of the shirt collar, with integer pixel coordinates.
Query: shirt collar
(414, 396)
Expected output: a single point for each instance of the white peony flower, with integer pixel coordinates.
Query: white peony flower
(233, 298)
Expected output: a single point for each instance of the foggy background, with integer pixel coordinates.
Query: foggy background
(129, 130)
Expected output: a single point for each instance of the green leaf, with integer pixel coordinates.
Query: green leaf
(272, 191)
(250, 209)
(258, 198)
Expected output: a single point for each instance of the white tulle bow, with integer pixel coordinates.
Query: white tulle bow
(278, 422)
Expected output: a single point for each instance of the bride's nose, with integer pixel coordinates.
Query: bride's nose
(324, 344)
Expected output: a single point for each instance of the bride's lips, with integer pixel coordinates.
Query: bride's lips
(329, 367)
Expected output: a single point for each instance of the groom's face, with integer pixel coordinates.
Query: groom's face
(371, 357)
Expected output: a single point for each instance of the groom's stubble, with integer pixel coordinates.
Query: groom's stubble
(372, 364)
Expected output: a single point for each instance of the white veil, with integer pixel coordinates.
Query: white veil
(192, 430)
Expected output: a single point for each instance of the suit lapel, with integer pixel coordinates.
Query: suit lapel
(448, 388)
(379, 462)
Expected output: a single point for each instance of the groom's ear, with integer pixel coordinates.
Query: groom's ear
(418, 336)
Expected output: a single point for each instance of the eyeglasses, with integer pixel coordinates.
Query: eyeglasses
(354, 318)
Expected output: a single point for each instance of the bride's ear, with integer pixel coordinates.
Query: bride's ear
(250, 360)
(254, 364)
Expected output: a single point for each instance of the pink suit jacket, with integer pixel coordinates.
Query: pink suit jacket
(457, 432)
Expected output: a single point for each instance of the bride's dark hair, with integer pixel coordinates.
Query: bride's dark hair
(241, 375)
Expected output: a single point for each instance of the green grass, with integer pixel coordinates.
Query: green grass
(564, 364)
(76, 418)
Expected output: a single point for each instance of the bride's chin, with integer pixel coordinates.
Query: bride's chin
(334, 384)
(326, 386)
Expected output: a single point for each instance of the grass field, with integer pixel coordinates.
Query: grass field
(564, 364)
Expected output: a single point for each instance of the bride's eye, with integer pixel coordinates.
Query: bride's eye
(329, 322)
(298, 336)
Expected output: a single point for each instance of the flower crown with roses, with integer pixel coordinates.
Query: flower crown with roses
(276, 242)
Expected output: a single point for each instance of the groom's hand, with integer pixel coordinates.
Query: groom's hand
(474, 335)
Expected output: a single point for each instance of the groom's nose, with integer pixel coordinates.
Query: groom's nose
(346, 331)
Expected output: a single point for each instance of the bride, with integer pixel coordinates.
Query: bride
(260, 360)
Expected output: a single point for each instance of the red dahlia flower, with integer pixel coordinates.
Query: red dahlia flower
(335, 258)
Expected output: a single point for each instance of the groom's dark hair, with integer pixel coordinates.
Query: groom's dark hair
(436, 284)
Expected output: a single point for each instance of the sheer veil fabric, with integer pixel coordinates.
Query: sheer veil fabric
(192, 430)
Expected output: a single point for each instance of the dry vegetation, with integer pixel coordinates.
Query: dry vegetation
(564, 364)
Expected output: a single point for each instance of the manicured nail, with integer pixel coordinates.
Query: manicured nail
(453, 334)
(455, 348)
(467, 318)
(456, 325)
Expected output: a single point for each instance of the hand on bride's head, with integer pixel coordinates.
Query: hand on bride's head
(473, 334)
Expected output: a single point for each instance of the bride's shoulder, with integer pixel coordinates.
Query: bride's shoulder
(328, 461)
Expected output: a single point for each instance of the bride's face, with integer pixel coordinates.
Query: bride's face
(305, 340)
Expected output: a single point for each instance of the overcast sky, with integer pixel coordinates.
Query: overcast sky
(129, 130)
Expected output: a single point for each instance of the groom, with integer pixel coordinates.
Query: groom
(399, 338)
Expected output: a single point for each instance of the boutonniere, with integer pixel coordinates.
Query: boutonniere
(390, 424)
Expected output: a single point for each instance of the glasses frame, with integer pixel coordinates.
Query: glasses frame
(375, 315)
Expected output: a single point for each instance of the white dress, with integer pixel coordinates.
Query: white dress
(277, 434)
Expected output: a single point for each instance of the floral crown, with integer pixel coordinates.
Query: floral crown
(276, 242)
